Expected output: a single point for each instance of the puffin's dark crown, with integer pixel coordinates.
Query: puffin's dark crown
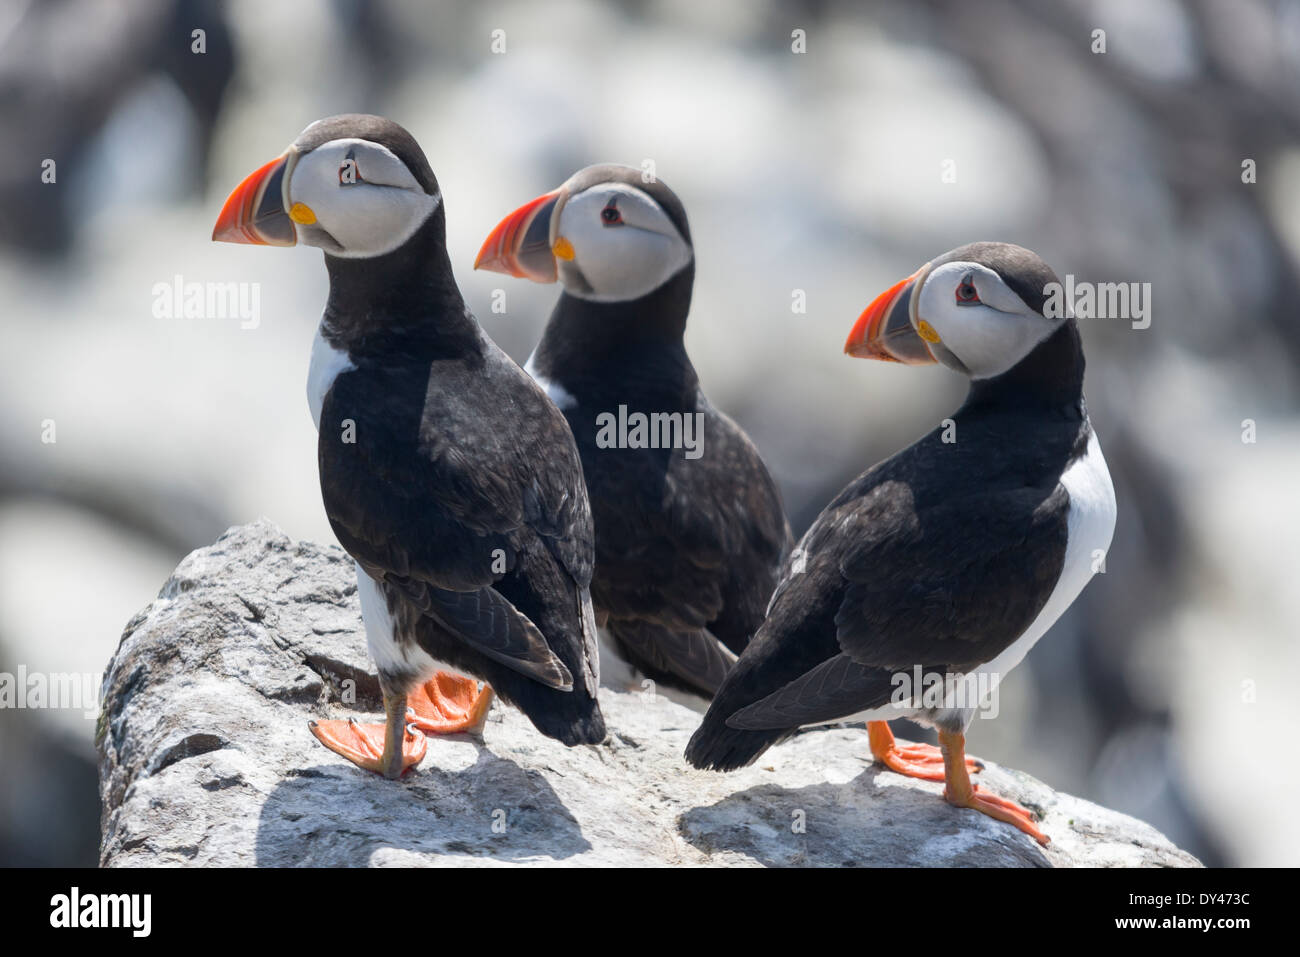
(376, 129)
(632, 176)
(1023, 270)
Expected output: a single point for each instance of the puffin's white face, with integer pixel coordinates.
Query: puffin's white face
(965, 309)
(351, 197)
(355, 199)
(615, 243)
(607, 242)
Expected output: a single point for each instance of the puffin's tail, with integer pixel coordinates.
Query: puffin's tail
(570, 717)
(717, 747)
(562, 610)
(579, 723)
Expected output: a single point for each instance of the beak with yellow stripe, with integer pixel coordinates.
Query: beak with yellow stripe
(889, 330)
(348, 185)
(978, 310)
(526, 244)
(258, 210)
(610, 234)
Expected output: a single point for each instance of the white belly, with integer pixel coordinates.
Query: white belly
(1090, 524)
(390, 655)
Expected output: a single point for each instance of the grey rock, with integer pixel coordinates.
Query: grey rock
(205, 758)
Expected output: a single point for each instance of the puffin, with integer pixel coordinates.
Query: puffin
(690, 527)
(446, 472)
(927, 579)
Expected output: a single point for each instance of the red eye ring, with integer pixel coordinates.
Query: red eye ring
(967, 294)
(610, 216)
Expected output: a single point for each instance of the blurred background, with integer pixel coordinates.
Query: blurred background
(1163, 691)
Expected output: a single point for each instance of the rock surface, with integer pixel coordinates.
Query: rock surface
(205, 758)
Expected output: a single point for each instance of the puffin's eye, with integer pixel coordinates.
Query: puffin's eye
(610, 216)
(966, 292)
(349, 175)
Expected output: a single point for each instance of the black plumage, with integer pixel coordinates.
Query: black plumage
(940, 556)
(687, 549)
(452, 479)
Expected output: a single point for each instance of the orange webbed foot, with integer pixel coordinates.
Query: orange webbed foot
(923, 761)
(449, 704)
(363, 745)
(959, 792)
(1000, 809)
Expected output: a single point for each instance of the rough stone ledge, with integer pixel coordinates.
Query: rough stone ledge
(205, 759)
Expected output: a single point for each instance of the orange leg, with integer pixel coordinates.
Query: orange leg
(449, 704)
(922, 761)
(388, 749)
(959, 792)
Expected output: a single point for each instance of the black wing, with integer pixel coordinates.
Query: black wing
(441, 505)
(946, 586)
(688, 551)
(697, 658)
(690, 544)
(952, 584)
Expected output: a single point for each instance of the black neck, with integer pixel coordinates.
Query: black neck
(1050, 377)
(633, 343)
(403, 302)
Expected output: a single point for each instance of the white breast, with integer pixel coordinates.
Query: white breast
(561, 396)
(327, 363)
(390, 656)
(1091, 523)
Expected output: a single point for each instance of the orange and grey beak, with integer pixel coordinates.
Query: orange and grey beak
(525, 244)
(256, 212)
(886, 330)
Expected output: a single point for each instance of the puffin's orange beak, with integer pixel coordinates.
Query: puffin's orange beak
(885, 331)
(255, 212)
(522, 244)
